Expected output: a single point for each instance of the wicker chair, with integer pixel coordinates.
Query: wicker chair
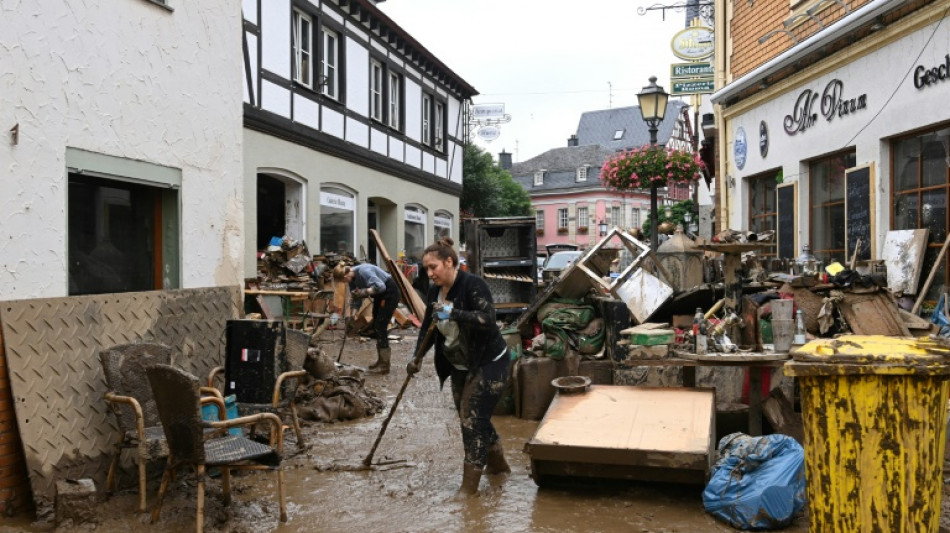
(130, 399)
(177, 398)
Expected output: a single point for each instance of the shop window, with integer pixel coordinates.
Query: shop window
(762, 210)
(443, 224)
(415, 235)
(116, 235)
(337, 220)
(826, 183)
(920, 183)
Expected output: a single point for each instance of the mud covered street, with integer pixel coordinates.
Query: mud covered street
(327, 492)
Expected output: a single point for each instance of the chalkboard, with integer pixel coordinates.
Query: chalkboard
(786, 203)
(858, 209)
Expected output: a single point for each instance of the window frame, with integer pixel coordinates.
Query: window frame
(818, 248)
(538, 178)
(539, 219)
(438, 117)
(377, 73)
(426, 119)
(763, 217)
(582, 217)
(296, 34)
(330, 63)
(562, 218)
(581, 173)
(394, 100)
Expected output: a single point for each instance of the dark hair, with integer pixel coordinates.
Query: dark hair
(442, 249)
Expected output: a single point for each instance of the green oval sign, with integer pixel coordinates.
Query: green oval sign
(693, 43)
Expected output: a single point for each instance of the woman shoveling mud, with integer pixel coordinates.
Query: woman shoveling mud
(470, 350)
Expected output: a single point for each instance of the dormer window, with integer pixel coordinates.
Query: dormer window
(539, 178)
(581, 173)
(619, 134)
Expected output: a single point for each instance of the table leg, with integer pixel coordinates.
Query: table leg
(755, 399)
(689, 376)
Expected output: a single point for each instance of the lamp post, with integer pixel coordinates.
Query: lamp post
(652, 100)
(602, 227)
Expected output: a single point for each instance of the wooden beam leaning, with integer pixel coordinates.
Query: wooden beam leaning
(409, 295)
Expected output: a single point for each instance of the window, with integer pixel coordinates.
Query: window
(395, 97)
(303, 49)
(426, 119)
(376, 91)
(582, 219)
(539, 178)
(921, 175)
(634, 218)
(439, 117)
(562, 218)
(443, 224)
(826, 182)
(415, 235)
(331, 60)
(616, 215)
(618, 134)
(762, 210)
(581, 173)
(539, 219)
(118, 234)
(337, 220)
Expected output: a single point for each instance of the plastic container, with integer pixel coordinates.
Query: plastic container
(874, 411)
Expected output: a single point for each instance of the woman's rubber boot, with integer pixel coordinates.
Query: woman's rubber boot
(471, 475)
(381, 366)
(496, 460)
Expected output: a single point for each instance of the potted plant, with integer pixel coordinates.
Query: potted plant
(582, 229)
(539, 232)
(646, 166)
(562, 231)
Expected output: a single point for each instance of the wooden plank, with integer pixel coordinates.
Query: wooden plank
(409, 295)
(873, 314)
(782, 416)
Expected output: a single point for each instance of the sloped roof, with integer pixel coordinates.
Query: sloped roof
(599, 127)
(564, 158)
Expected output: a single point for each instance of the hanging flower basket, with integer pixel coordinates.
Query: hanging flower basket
(641, 168)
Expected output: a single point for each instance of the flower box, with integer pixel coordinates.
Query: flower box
(581, 229)
(562, 231)
(539, 232)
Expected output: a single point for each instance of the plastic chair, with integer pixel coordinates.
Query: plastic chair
(177, 398)
(131, 401)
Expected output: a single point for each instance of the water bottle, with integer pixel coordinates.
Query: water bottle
(799, 337)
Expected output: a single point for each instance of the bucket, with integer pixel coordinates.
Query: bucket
(782, 309)
(209, 412)
(782, 333)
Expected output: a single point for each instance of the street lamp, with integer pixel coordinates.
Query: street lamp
(602, 227)
(652, 100)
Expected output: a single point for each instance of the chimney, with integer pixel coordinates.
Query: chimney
(572, 140)
(504, 160)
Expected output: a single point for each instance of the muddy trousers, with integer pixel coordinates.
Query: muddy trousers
(384, 306)
(476, 396)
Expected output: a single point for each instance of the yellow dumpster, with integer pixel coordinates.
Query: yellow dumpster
(874, 410)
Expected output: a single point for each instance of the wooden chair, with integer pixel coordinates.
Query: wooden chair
(177, 399)
(130, 398)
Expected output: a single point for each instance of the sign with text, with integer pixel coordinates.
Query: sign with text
(338, 201)
(488, 111)
(786, 230)
(695, 42)
(680, 71)
(693, 87)
(858, 211)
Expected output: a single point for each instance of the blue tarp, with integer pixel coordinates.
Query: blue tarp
(758, 482)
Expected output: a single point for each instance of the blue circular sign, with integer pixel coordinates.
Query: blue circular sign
(740, 148)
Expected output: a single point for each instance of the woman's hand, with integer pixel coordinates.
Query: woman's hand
(443, 310)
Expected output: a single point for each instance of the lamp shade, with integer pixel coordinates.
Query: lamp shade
(653, 100)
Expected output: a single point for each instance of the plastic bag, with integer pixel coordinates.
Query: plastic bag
(758, 482)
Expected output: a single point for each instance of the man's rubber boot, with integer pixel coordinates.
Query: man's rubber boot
(496, 460)
(471, 475)
(382, 361)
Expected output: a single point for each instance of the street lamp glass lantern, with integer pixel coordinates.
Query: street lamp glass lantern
(653, 100)
(668, 212)
(687, 217)
(602, 227)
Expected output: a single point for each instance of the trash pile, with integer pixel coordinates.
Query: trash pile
(334, 393)
(286, 263)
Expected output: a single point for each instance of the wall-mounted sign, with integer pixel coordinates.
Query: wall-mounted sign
(442, 222)
(740, 148)
(488, 133)
(488, 111)
(693, 87)
(924, 76)
(691, 70)
(693, 43)
(833, 104)
(336, 200)
(763, 139)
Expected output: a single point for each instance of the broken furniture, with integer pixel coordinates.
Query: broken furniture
(263, 363)
(131, 401)
(622, 432)
(503, 251)
(178, 404)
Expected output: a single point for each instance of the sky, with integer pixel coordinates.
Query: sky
(547, 61)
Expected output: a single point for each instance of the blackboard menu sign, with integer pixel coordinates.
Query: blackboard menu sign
(858, 209)
(787, 199)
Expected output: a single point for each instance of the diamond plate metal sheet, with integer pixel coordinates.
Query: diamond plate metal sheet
(52, 348)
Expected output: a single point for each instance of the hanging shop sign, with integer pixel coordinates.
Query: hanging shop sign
(740, 147)
(679, 71)
(763, 139)
(924, 76)
(488, 133)
(693, 87)
(832, 103)
(693, 43)
(488, 111)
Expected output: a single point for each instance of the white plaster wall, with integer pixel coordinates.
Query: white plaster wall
(413, 111)
(455, 151)
(249, 8)
(357, 77)
(379, 141)
(357, 132)
(332, 122)
(252, 44)
(894, 107)
(306, 111)
(455, 118)
(275, 41)
(129, 80)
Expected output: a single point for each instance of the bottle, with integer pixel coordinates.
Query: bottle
(799, 337)
(699, 331)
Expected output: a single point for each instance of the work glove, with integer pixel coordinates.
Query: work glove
(443, 311)
(413, 366)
